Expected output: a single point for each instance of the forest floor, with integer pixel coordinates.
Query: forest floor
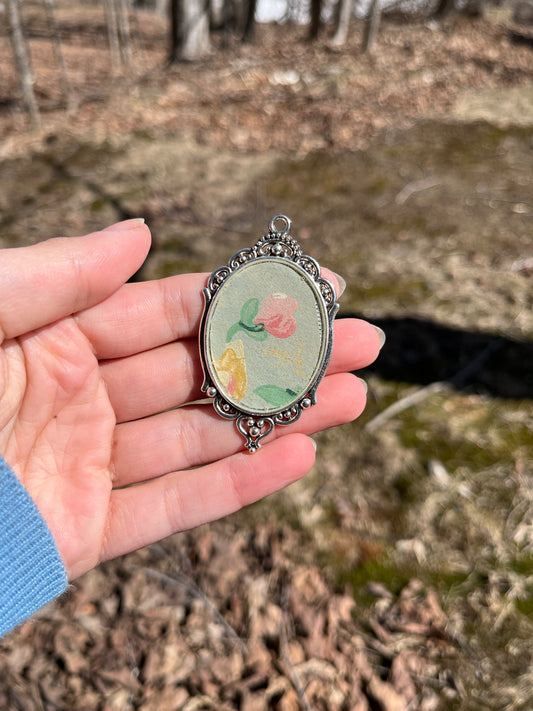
(399, 574)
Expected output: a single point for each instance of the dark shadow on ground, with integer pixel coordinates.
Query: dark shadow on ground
(423, 352)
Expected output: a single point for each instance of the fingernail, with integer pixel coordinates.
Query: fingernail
(313, 442)
(365, 385)
(125, 225)
(381, 335)
(342, 284)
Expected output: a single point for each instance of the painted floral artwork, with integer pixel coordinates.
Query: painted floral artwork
(264, 336)
(231, 369)
(274, 317)
(275, 314)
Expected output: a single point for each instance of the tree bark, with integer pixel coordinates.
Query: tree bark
(229, 22)
(124, 31)
(22, 59)
(316, 16)
(112, 33)
(175, 25)
(445, 8)
(58, 51)
(249, 21)
(345, 13)
(372, 26)
(189, 30)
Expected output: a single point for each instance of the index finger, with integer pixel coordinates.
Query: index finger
(145, 315)
(47, 281)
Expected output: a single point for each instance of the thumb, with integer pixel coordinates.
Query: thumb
(56, 278)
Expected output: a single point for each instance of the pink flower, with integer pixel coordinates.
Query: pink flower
(275, 313)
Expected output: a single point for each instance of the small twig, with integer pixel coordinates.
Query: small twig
(416, 186)
(463, 375)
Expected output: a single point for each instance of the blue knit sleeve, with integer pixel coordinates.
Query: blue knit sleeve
(31, 570)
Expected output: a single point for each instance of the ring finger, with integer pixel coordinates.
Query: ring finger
(196, 435)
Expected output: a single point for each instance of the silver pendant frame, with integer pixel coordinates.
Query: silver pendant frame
(278, 244)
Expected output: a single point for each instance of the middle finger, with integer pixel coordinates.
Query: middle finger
(153, 381)
(169, 376)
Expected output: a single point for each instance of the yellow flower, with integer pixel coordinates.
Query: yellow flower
(231, 370)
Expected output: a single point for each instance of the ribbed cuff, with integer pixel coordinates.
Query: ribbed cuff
(31, 570)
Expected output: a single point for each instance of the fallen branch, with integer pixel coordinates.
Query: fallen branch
(416, 186)
(403, 404)
(457, 381)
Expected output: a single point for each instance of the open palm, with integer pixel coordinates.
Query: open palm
(91, 372)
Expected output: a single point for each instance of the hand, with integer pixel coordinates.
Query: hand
(86, 363)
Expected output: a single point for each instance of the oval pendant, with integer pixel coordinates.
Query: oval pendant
(266, 334)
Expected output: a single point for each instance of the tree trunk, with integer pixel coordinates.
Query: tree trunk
(249, 21)
(372, 26)
(112, 33)
(345, 13)
(124, 30)
(189, 30)
(58, 52)
(229, 22)
(22, 59)
(316, 16)
(445, 8)
(175, 26)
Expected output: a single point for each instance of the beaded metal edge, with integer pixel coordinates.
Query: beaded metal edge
(280, 244)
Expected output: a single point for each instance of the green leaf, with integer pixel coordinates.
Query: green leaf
(249, 311)
(232, 331)
(274, 395)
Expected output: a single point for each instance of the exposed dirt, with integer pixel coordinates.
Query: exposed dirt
(398, 575)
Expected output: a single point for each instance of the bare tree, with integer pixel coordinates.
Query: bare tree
(444, 8)
(316, 19)
(249, 20)
(60, 60)
(371, 26)
(22, 59)
(189, 30)
(123, 12)
(118, 32)
(112, 33)
(344, 11)
(224, 17)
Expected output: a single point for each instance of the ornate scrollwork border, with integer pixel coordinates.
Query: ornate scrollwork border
(277, 243)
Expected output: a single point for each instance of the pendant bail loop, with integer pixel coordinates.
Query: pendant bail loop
(272, 226)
